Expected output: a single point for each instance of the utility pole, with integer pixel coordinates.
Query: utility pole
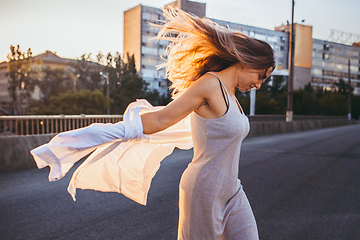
(289, 110)
(349, 89)
(107, 94)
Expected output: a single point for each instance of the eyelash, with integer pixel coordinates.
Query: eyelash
(262, 77)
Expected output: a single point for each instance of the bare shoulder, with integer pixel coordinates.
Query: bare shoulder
(205, 85)
(202, 96)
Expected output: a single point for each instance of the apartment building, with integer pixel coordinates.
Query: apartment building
(139, 40)
(317, 62)
(330, 63)
(278, 40)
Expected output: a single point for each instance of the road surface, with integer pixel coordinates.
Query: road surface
(303, 185)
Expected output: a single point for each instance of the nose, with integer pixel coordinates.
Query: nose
(257, 86)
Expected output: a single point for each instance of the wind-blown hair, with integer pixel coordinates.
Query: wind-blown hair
(199, 45)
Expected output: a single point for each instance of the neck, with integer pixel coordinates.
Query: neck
(229, 77)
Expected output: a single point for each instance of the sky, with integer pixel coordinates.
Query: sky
(71, 28)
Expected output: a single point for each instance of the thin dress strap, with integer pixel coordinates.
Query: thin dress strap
(222, 91)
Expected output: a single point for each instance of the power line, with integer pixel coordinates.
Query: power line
(343, 37)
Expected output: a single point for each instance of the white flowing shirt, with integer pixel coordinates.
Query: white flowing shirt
(122, 159)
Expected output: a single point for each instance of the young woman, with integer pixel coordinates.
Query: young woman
(206, 64)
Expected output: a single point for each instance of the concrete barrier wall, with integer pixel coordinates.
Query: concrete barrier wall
(277, 127)
(15, 151)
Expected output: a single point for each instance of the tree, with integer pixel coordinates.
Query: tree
(71, 102)
(125, 84)
(355, 107)
(87, 72)
(343, 88)
(271, 97)
(21, 76)
(54, 81)
(306, 101)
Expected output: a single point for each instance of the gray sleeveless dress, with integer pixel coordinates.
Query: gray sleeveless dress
(212, 203)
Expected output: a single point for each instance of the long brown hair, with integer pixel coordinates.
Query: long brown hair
(199, 45)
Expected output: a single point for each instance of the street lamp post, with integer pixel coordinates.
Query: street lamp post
(106, 75)
(289, 110)
(349, 89)
(76, 77)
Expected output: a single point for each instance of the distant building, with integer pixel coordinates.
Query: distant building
(47, 59)
(276, 39)
(313, 63)
(330, 63)
(322, 63)
(303, 51)
(139, 40)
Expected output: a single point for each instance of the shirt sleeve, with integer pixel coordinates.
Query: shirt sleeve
(123, 159)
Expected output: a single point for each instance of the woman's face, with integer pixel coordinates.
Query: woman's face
(250, 78)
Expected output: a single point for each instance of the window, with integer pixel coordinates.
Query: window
(353, 69)
(316, 71)
(149, 51)
(326, 56)
(163, 42)
(149, 73)
(282, 48)
(272, 39)
(317, 63)
(149, 61)
(354, 61)
(260, 36)
(146, 16)
(329, 65)
(326, 47)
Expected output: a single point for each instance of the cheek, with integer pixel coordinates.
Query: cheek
(254, 80)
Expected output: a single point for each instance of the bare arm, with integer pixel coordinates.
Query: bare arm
(191, 99)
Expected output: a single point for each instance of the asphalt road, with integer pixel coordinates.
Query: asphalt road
(303, 185)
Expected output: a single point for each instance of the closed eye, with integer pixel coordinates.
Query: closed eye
(262, 76)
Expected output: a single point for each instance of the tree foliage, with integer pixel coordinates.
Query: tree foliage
(22, 78)
(54, 81)
(73, 103)
(125, 84)
(119, 76)
(87, 73)
(272, 99)
(343, 87)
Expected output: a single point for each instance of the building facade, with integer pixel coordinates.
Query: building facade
(279, 41)
(139, 39)
(318, 62)
(330, 63)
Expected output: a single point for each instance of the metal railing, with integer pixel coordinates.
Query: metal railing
(50, 124)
